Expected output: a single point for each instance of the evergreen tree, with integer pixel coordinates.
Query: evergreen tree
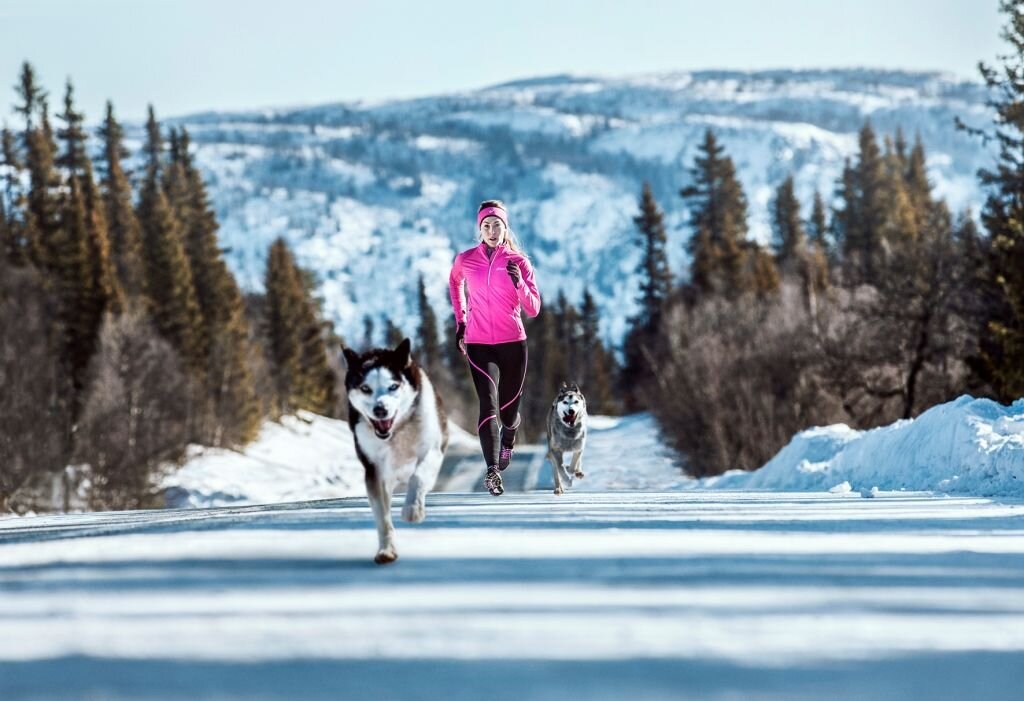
(999, 362)
(916, 177)
(11, 244)
(761, 275)
(655, 278)
(224, 338)
(880, 211)
(817, 226)
(72, 268)
(43, 202)
(719, 216)
(297, 351)
(427, 351)
(123, 226)
(547, 368)
(169, 285)
(788, 228)
(109, 295)
(596, 371)
(74, 158)
(567, 328)
(32, 95)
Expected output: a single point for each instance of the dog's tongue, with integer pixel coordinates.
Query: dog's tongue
(383, 425)
(570, 419)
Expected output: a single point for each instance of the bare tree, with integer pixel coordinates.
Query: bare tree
(34, 409)
(134, 412)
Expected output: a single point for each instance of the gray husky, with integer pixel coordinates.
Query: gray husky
(400, 431)
(567, 431)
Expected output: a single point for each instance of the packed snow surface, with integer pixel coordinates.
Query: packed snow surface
(630, 595)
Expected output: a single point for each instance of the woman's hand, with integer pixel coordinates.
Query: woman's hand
(460, 332)
(513, 272)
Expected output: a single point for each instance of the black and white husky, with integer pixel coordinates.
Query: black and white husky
(567, 431)
(400, 431)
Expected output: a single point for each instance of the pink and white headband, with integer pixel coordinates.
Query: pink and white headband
(491, 212)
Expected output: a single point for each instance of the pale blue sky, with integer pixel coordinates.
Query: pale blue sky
(191, 55)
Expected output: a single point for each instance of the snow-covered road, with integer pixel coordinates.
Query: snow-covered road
(691, 594)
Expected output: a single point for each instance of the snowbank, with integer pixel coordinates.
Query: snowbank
(967, 446)
(301, 458)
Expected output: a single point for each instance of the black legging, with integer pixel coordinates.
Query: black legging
(499, 373)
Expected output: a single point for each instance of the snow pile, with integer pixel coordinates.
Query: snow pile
(967, 446)
(301, 458)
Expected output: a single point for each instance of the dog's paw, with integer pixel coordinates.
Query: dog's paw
(414, 513)
(578, 474)
(558, 490)
(386, 556)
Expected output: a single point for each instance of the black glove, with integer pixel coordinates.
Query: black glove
(513, 272)
(460, 332)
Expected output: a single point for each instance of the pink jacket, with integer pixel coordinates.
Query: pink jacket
(494, 303)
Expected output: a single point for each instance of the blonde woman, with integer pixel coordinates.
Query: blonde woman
(491, 284)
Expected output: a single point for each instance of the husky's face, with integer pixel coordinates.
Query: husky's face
(570, 404)
(379, 387)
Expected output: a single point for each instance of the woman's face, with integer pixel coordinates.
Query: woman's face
(492, 231)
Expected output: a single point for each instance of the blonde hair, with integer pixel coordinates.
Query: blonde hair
(511, 240)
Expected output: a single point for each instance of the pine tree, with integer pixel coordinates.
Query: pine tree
(916, 177)
(427, 351)
(547, 367)
(105, 280)
(787, 227)
(124, 231)
(31, 94)
(567, 328)
(169, 284)
(817, 225)
(761, 275)
(42, 215)
(653, 270)
(72, 268)
(999, 362)
(719, 216)
(595, 374)
(74, 158)
(224, 338)
(297, 351)
(11, 244)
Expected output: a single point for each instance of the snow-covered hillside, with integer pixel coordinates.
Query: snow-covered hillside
(372, 196)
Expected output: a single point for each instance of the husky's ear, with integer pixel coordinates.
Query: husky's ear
(565, 386)
(402, 353)
(351, 357)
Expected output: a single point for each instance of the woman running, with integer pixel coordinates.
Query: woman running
(490, 284)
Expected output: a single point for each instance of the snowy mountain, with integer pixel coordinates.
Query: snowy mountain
(371, 195)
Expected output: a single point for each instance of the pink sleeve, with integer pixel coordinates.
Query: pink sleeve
(455, 289)
(529, 297)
